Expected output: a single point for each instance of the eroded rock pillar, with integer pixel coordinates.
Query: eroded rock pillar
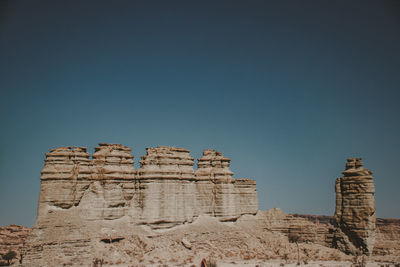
(355, 209)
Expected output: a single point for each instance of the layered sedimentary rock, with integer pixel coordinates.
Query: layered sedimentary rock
(219, 194)
(85, 203)
(168, 187)
(387, 241)
(12, 238)
(277, 221)
(386, 249)
(355, 209)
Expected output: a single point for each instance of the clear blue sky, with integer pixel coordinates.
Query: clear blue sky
(287, 89)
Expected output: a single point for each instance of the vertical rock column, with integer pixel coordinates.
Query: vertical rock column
(113, 162)
(216, 191)
(169, 192)
(66, 168)
(64, 179)
(355, 209)
(112, 183)
(246, 194)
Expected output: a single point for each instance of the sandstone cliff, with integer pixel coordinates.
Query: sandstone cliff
(355, 209)
(86, 202)
(100, 207)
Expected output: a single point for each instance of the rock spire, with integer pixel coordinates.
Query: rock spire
(355, 209)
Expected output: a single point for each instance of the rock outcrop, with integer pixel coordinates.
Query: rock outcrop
(93, 207)
(387, 241)
(355, 209)
(219, 194)
(85, 203)
(386, 249)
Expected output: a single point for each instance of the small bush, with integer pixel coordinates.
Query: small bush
(9, 256)
(98, 262)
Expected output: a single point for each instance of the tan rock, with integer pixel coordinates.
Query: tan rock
(219, 194)
(355, 209)
(86, 203)
(252, 237)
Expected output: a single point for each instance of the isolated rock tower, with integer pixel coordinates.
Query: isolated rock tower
(355, 209)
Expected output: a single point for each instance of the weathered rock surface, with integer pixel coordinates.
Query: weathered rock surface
(276, 222)
(12, 238)
(387, 241)
(167, 213)
(355, 209)
(85, 202)
(219, 194)
(251, 237)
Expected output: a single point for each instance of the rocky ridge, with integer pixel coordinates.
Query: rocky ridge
(260, 237)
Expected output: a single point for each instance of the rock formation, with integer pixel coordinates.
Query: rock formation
(387, 241)
(219, 194)
(85, 202)
(12, 238)
(102, 208)
(355, 209)
(386, 249)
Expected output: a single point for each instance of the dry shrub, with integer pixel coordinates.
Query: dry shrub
(306, 252)
(98, 262)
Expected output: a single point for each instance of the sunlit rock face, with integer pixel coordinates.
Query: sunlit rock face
(168, 187)
(219, 194)
(355, 209)
(85, 200)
